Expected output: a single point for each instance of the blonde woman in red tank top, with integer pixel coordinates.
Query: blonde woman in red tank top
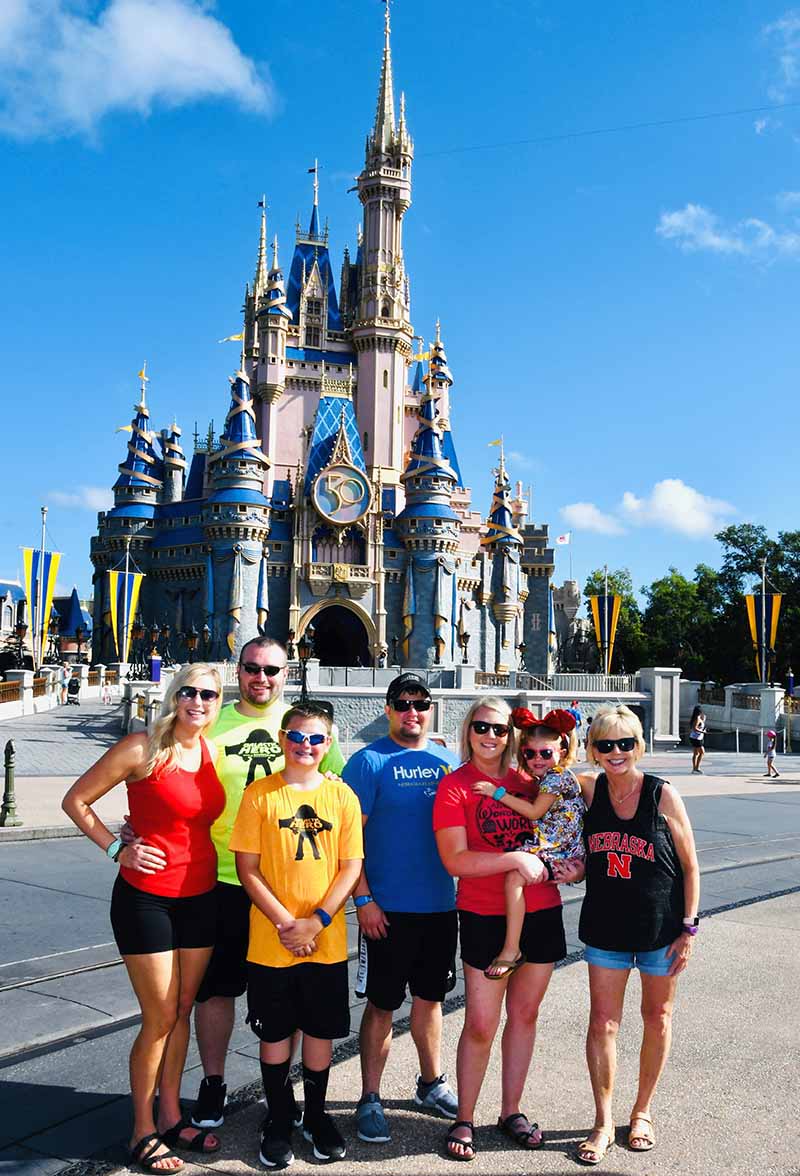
(162, 906)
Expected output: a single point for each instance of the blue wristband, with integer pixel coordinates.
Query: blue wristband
(362, 899)
(323, 917)
(499, 793)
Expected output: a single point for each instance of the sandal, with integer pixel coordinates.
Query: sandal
(641, 1141)
(450, 1139)
(521, 1131)
(588, 1153)
(508, 966)
(145, 1158)
(172, 1137)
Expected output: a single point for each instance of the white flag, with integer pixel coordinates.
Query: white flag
(561, 540)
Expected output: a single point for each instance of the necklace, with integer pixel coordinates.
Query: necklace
(619, 800)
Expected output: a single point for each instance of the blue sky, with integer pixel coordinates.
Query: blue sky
(622, 306)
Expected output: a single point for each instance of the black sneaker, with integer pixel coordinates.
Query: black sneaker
(326, 1138)
(297, 1114)
(276, 1147)
(210, 1106)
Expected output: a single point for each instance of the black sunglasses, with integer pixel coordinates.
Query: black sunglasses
(481, 728)
(401, 705)
(529, 753)
(604, 746)
(192, 692)
(253, 669)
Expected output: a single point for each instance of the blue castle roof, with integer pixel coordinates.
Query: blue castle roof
(500, 523)
(142, 468)
(312, 248)
(334, 415)
(427, 455)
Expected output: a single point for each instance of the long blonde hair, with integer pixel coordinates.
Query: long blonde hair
(162, 749)
(501, 707)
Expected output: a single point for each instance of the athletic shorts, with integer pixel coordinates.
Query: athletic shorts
(542, 940)
(144, 923)
(311, 997)
(226, 974)
(418, 952)
(651, 963)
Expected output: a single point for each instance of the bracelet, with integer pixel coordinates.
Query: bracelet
(114, 849)
(499, 792)
(361, 900)
(690, 929)
(323, 917)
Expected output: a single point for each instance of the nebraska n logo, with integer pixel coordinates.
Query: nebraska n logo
(619, 865)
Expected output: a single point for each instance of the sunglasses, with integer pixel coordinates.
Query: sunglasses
(300, 737)
(401, 705)
(529, 753)
(481, 728)
(192, 692)
(604, 746)
(253, 669)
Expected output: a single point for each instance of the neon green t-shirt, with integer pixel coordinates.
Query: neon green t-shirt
(248, 749)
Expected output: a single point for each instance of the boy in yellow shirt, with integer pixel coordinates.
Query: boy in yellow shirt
(299, 848)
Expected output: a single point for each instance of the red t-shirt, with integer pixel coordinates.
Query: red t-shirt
(491, 827)
(174, 810)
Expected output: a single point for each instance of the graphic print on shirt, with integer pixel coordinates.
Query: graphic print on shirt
(620, 850)
(305, 824)
(258, 749)
(503, 829)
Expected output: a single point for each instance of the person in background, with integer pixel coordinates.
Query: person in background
(769, 755)
(697, 734)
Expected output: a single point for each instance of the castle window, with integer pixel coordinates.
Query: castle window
(366, 441)
(313, 337)
(187, 551)
(386, 379)
(277, 547)
(313, 307)
(386, 310)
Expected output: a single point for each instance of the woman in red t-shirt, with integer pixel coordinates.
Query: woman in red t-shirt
(163, 909)
(478, 838)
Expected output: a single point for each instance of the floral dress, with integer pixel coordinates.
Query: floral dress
(561, 827)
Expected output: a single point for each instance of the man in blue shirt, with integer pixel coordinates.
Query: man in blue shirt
(404, 899)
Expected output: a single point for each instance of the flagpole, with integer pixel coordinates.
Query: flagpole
(37, 634)
(763, 622)
(605, 621)
(125, 602)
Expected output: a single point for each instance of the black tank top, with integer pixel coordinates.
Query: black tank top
(634, 881)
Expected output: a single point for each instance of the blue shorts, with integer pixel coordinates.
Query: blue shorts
(652, 963)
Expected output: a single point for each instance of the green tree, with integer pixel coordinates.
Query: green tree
(631, 649)
(681, 620)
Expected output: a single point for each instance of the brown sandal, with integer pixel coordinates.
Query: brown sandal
(587, 1153)
(641, 1141)
(508, 966)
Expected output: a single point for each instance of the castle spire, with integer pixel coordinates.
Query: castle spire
(313, 226)
(384, 130)
(500, 529)
(260, 279)
(140, 472)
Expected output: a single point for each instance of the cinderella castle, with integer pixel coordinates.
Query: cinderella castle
(333, 501)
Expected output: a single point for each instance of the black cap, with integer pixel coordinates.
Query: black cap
(410, 683)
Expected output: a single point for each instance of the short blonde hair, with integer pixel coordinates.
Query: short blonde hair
(161, 745)
(608, 717)
(500, 707)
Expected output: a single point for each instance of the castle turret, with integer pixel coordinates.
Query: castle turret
(174, 463)
(274, 318)
(311, 294)
(440, 380)
(504, 542)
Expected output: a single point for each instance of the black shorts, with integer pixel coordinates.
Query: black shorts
(542, 940)
(418, 951)
(226, 974)
(312, 997)
(144, 924)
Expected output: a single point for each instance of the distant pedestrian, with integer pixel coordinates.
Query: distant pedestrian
(769, 755)
(574, 709)
(66, 674)
(697, 733)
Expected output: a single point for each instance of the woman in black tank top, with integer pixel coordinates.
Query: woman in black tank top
(640, 910)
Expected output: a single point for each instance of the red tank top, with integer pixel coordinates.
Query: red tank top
(174, 810)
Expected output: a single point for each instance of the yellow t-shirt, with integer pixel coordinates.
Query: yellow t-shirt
(300, 836)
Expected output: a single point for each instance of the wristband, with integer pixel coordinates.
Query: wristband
(114, 849)
(362, 899)
(499, 792)
(689, 930)
(323, 917)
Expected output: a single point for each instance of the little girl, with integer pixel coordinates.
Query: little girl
(558, 811)
(769, 755)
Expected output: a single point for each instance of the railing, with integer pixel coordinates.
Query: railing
(714, 695)
(10, 691)
(141, 706)
(112, 678)
(579, 683)
(791, 706)
(742, 701)
(501, 681)
(40, 687)
(93, 678)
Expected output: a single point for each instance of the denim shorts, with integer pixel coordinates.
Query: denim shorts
(652, 963)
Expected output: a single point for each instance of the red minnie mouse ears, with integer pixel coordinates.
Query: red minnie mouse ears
(555, 720)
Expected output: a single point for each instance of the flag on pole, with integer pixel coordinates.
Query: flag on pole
(123, 594)
(772, 610)
(232, 338)
(562, 540)
(39, 566)
(605, 614)
(421, 356)
(499, 441)
(143, 373)
(124, 429)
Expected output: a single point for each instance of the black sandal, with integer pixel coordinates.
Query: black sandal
(144, 1157)
(520, 1130)
(172, 1137)
(450, 1138)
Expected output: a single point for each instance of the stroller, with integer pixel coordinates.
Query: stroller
(74, 691)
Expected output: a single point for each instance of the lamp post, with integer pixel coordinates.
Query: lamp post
(166, 654)
(54, 650)
(79, 635)
(521, 649)
(789, 707)
(395, 643)
(291, 649)
(20, 629)
(304, 650)
(192, 638)
(463, 641)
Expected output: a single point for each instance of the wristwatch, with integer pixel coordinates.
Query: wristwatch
(691, 926)
(115, 849)
(362, 900)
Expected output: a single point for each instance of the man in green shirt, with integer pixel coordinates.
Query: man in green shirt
(246, 735)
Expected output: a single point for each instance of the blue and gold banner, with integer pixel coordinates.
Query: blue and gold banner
(40, 569)
(605, 614)
(123, 592)
(772, 612)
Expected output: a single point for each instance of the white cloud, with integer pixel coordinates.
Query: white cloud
(521, 460)
(783, 38)
(84, 498)
(62, 71)
(677, 507)
(697, 229)
(760, 125)
(788, 201)
(585, 516)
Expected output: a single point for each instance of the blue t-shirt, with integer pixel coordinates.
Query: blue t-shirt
(396, 787)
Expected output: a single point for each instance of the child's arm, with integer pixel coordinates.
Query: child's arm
(250, 876)
(301, 931)
(533, 809)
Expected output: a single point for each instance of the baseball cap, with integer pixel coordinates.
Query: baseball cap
(407, 682)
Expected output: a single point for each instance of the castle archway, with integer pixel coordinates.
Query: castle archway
(343, 634)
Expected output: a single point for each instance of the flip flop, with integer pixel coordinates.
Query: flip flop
(519, 1129)
(645, 1139)
(450, 1138)
(510, 967)
(197, 1144)
(588, 1153)
(144, 1157)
